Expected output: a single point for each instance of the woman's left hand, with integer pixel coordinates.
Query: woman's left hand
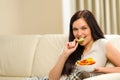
(98, 69)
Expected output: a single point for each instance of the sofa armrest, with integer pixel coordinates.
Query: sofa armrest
(110, 76)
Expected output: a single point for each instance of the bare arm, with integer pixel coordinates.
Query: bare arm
(108, 69)
(55, 73)
(114, 56)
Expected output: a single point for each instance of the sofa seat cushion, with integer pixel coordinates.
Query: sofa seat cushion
(110, 76)
(14, 78)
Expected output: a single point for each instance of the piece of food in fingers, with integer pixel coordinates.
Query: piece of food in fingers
(80, 40)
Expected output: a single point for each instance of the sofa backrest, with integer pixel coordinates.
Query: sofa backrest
(47, 52)
(34, 55)
(29, 55)
(17, 54)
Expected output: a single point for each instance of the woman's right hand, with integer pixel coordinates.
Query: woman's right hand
(70, 47)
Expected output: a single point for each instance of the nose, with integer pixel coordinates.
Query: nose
(79, 32)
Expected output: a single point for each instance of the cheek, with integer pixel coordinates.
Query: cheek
(74, 33)
(88, 35)
(87, 32)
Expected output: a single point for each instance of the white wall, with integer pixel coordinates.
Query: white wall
(30, 16)
(10, 16)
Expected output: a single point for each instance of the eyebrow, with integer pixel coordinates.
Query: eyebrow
(81, 26)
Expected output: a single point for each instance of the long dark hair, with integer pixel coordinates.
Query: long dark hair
(96, 33)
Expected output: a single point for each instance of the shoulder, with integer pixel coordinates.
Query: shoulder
(113, 54)
(102, 40)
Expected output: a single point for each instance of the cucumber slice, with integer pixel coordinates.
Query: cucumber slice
(80, 40)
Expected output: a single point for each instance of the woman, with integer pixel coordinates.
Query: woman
(84, 25)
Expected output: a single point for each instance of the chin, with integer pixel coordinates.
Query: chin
(82, 44)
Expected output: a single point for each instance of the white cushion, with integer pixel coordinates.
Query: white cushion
(110, 76)
(115, 40)
(14, 78)
(47, 53)
(16, 55)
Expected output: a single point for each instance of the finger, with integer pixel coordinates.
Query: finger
(96, 69)
(76, 45)
(76, 40)
(69, 45)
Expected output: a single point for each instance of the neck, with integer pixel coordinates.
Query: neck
(88, 46)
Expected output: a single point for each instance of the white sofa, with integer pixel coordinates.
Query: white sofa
(24, 56)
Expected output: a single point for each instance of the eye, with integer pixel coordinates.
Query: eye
(75, 29)
(83, 27)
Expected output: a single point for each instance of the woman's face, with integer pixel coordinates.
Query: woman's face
(81, 29)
